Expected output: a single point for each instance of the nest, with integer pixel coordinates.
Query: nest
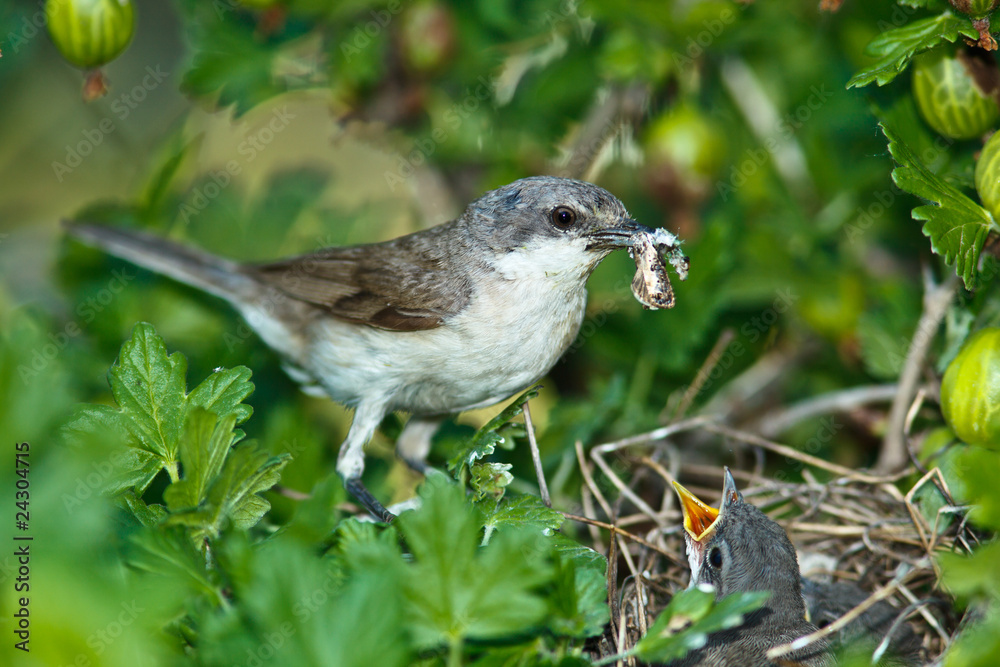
(855, 527)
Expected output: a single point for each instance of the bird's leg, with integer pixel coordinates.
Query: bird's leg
(351, 459)
(414, 443)
(356, 488)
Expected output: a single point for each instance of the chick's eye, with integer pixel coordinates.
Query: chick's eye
(715, 558)
(563, 217)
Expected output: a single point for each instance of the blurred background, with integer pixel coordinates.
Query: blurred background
(263, 129)
(259, 132)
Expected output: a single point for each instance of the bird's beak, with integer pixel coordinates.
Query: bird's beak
(621, 235)
(699, 519)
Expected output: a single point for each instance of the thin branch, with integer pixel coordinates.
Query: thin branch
(779, 421)
(689, 424)
(536, 458)
(808, 459)
(840, 623)
(623, 488)
(588, 479)
(896, 624)
(693, 389)
(621, 107)
(894, 454)
(624, 533)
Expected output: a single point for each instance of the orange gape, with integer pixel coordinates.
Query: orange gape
(698, 517)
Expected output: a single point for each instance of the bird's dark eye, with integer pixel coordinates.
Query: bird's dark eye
(715, 558)
(563, 217)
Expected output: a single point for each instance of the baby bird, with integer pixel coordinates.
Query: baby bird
(737, 548)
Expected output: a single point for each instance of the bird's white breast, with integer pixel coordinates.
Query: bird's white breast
(520, 319)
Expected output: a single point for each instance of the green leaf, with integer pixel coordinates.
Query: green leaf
(154, 198)
(148, 515)
(305, 611)
(490, 480)
(534, 654)
(233, 495)
(149, 388)
(232, 63)
(458, 591)
(135, 470)
(521, 512)
(956, 225)
(170, 553)
(975, 576)
(316, 516)
(203, 450)
(153, 412)
(578, 599)
(977, 467)
(978, 644)
(894, 48)
(251, 472)
(690, 617)
(223, 392)
(487, 438)
(584, 557)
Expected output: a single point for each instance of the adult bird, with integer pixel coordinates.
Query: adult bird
(455, 317)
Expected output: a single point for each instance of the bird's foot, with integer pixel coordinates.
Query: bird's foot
(357, 489)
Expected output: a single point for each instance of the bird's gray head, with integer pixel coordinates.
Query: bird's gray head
(558, 221)
(737, 548)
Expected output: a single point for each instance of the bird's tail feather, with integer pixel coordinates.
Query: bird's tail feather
(191, 266)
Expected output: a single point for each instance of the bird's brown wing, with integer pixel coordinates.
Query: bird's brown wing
(396, 285)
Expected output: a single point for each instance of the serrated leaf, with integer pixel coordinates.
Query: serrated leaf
(153, 408)
(307, 612)
(148, 386)
(584, 557)
(490, 480)
(169, 553)
(135, 470)
(147, 515)
(248, 471)
(480, 447)
(895, 48)
(458, 591)
(351, 531)
(223, 392)
(956, 225)
(89, 419)
(524, 511)
(233, 494)
(577, 599)
(487, 438)
(689, 619)
(203, 449)
(230, 61)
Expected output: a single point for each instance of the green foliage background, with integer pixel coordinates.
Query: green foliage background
(255, 135)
